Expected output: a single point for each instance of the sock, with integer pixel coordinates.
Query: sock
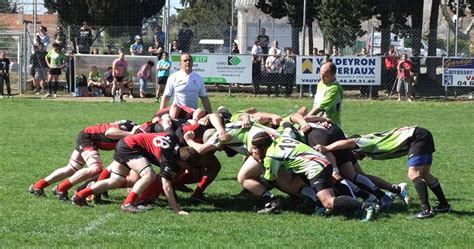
(64, 186)
(266, 194)
(154, 190)
(41, 184)
(132, 196)
(346, 204)
(84, 193)
(104, 175)
(395, 189)
(308, 191)
(422, 191)
(367, 185)
(438, 191)
(56, 86)
(50, 87)
(343, 188)
(205, 181)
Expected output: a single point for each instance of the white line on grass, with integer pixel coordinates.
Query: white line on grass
(95, 224)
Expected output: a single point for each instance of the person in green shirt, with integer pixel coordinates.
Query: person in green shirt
(301, 159)
(328, 98)
(95, 80)
(56, 60)
(418, 144)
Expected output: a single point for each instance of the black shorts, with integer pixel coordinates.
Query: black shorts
(162, 80)
(323, 180)
(421, 142)
(84, 142)
(55, 71)
(118, 78)
(123, 153)
(328, 136)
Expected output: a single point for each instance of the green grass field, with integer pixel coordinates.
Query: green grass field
(38, 136)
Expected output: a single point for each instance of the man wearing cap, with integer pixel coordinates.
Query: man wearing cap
(186, 87)
(137, 47)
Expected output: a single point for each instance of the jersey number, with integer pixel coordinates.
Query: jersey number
(287, 144)
(163, 142)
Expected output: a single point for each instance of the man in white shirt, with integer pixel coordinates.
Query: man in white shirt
(186, 86)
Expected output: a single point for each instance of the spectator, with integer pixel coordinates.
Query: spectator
(321, 53)
(70, 71)
(84, 39)
(186, 86)
(43, 37)
(275, 50)
(175, 48)
(264, 40)
(185, 36)
(95, 81)
(60, 38)
(108, 50)
(256, 66)
(235, 48)
(95, 51)
(314, 52)
(405, 75)
(56, 60)
(289, 71)
(137, 47)
(119, 67)
(335, 51)
(328, 99)
(143, 75)
(363, 52)
(160, 35)
(157, 48)
(163, 69)
(128, 83)
(273, 66)
(108, 78)
(5, 74)
(391, 62)
(39, 68)
(365, 90)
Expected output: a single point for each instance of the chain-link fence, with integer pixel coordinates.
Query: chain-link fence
(271, 48)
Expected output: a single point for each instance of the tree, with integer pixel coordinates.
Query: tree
(6, 6)
(104, 12)
(432, 37)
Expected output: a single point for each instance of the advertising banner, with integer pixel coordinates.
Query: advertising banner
(458, 72)
(350, 70)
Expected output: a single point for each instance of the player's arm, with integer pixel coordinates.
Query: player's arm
(116, 133)
(346, 144)
(266, 117)
(168, 189)
(299, 119)
(245, 119)
(200, 148)
(216, 121)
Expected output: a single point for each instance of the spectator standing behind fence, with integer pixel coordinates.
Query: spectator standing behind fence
(275, 50)
(137, 47)
(235, 48)
(95, 51)
(43, 37)
(143, 75)
(108, 50)
(160, 35)
(336, 51)
(107, 78)
(186, 86)
(273, 66)
(163, 72)
(119, 67)
(84, 39)
(175, 47)
(157, 48)
(60, 38)
(5, 74)
(328, 98)
(95, 81)
(185, 36)
(405, 76)
(289, 71)
(391, 62)
(256, 67)
(39, 68)
(264, 40)
(56, 60)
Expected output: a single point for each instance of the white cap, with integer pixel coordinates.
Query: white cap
(138, 37)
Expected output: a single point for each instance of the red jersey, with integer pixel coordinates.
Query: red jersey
(184, 112)
(391, 61)
(405, 69)
(96, 134)
(159, 148)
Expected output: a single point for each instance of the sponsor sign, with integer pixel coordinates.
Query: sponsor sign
(458, 72)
